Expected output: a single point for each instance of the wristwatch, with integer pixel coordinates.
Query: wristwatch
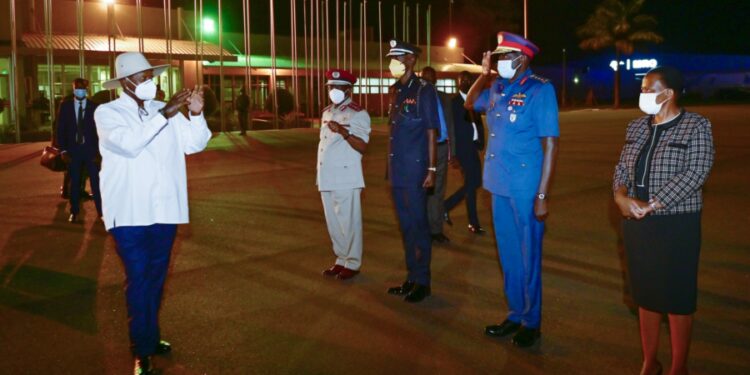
(541, 196)
(434, 169)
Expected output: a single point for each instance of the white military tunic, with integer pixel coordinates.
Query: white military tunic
(340, 180)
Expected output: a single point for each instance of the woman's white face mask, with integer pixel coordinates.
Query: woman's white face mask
(647, 102)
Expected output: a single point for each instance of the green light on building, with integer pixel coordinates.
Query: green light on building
(209, 26)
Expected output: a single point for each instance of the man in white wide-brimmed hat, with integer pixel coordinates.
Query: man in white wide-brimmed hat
(143, 182)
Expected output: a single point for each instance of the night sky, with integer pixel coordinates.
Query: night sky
(697, 26)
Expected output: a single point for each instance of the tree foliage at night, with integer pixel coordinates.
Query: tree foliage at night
(618, 24)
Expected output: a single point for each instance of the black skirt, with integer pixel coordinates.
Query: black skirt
(662, 254)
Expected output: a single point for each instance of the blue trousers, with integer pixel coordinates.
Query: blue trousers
(75, 168)
(519, 241)
(145, 252)
(411, 208)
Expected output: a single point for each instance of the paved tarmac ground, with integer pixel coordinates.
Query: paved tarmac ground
(245, 293)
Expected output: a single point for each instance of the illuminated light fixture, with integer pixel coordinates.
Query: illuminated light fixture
(108, 2)
(452, 43)
(209, 26)
(638, 64)
(576, 80)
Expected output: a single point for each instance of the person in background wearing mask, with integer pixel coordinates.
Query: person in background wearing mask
(344, 133)
(521, 111)
(468, 142)
(412, 157)
(445, 148)
(79, 144)
(143, 143)
(658, 188)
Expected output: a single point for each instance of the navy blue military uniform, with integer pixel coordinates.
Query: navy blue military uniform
(82, 145)
(519, 114)
(412, 113)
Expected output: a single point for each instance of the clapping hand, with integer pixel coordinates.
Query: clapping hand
(195, 100)
(177, 101)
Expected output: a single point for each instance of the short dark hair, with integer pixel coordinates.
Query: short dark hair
(82, 81)
(671, 78)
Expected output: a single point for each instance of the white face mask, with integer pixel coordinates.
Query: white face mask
(146, 90)
(505, 68)
(337, 96)
(397, 68)
(647, 102)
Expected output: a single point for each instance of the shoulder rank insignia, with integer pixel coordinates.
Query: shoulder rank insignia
(356, 107)
(539, 78)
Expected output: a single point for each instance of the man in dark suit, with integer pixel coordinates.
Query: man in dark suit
(435, 211)
(468, 141)
(79, 143)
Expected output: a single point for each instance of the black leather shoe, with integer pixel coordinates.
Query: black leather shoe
(143, 366)
(503, 329)
(403, 289)
(447, 218)
(85, 196)
(418, 293)
(526, 337)
(73, 218)
(440, 238)
(162, 348)
(476, 229)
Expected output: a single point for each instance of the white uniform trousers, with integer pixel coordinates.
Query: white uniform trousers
(343, 213)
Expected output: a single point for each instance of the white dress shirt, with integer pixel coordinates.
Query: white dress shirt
(143, 180)
(78, 104)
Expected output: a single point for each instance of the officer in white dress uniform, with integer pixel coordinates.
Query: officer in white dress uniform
(344, 133)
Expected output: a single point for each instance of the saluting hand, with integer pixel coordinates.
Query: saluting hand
(487, 63)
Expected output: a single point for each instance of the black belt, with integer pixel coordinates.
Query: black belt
(443, 142)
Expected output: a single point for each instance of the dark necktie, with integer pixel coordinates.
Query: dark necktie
(79, 125)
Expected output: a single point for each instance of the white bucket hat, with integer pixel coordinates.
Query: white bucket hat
(130, 63)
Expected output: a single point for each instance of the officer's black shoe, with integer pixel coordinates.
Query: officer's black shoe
(73, 218)
(503, 329)
(143, 366)
(526, 337)
(418, 293)
(85, 196)
(162, 348)
(440, 238)
(476, 229)
(447, 218)
(403, 289)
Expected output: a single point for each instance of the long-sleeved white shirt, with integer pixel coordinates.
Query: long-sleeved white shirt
(143, 180)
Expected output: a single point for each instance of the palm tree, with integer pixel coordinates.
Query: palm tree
(618, 24)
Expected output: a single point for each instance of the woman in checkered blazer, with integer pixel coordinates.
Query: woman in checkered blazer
(658, 188)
